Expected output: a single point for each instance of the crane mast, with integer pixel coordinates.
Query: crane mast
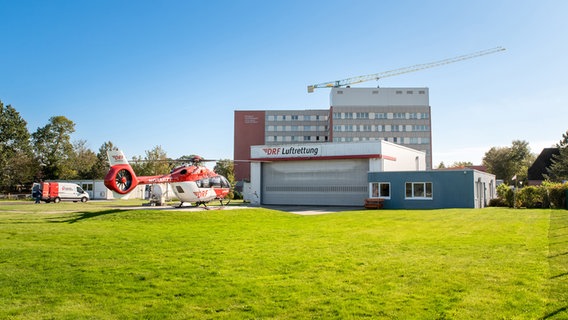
(395, 72)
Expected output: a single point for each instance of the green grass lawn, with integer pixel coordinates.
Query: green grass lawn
(91, 261)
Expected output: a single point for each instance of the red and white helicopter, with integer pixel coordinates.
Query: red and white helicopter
(191, 182)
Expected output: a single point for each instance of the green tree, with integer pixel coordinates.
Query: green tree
(53, 148)
(508, 162)
(101, 167)
(461, 164)
(80, 163)
(226, 168)
(558, 170)
(155, 162)
(497, 161)
(16, 164)
(521, 158)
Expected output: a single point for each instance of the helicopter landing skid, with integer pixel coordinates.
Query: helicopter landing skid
(224, 204)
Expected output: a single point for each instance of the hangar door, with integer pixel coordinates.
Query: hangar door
(315, 182)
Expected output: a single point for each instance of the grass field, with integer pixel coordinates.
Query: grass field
(93, 261)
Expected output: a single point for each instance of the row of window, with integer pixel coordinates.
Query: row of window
(295, 138)
(412, 190)
(296, 117)
(399, 140)
(296, 128)
(397, 92)
(380, 128)
(381, 115)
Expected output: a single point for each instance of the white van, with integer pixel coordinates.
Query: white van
(58, 191)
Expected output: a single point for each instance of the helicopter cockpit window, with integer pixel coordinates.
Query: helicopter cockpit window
(203, 183)
(215, 182)
(224, 182)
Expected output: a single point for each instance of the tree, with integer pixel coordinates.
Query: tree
(226, 168)
(80, 163)
(522, 158)
(461, 164)
(507, 162)
(558, 170)
(16, 164)
(101, 167)
(53, 147)
(441, 165)
(156, 162)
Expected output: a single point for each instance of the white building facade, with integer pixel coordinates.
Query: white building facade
(398, 115)
(323, 173)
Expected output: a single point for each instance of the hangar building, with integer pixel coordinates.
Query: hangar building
(323, 173)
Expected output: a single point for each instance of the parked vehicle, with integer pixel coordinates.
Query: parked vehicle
(58, 191)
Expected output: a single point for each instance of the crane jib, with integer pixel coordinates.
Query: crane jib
(395, 72)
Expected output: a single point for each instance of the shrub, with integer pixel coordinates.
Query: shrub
(530, 197)
(556, 194)
(547, 195)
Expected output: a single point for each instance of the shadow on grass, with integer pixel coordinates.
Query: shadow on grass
(89, 215)
(558, 255)
(559, 275)
(555, 312)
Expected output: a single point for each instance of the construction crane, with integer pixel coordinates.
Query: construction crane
(416, 67)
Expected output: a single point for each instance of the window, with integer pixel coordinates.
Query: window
(380, 190)
(419, 190)
(423, 128)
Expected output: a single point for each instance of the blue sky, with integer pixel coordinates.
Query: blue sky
(171, 73)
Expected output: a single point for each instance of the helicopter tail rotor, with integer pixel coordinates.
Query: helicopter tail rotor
(121, 177)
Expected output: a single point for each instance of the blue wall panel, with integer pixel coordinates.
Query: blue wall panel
(450, 189)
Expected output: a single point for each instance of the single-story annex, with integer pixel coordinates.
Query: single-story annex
(434, 189)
